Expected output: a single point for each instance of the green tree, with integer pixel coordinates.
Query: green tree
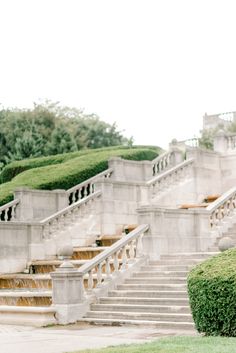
(61, 141)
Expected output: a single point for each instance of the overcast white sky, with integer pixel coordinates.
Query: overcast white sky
(154, 67)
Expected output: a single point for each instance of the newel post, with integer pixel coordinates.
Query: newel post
(68, 293)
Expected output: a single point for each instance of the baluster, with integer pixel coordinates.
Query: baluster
(73, 198)
(13, 213)
(116, 262)
(90, 280)
(124, 258)
(46, 231)
(231, 206)
(79, 194)
(99, 275)
(6, 214)
(1, 213)
(108, 269)
(131, 252)
(139, 246)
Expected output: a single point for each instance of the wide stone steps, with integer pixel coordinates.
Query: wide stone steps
(128, 315)
(151, 308)
(156, 295)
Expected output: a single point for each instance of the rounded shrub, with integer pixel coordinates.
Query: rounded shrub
(212, 294)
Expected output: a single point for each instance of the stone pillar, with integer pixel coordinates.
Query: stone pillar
(68, 293)
(117, 164)
(177, 156)
(220, 142)
(107, 211)
(39, 204)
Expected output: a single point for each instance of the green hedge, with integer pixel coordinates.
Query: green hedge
(17, 167)
(212, 294)
(72, 172)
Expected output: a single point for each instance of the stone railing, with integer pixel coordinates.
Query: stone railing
(231, 142)
(120, 254)
(87, 187)
(173, 175)
(162, 162)
(8, 211)
(61, 219)
(222, 208)
(101, 274)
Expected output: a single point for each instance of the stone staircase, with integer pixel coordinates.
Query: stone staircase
(154, 295)
(26, 298)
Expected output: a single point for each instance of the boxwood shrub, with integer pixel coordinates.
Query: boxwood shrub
(212, 294)
(72, 172)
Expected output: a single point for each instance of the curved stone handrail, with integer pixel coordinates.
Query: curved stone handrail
(87, 187)
(128, 248)
(64, 217)
(172, 175)
(8, 211)
(222, 207)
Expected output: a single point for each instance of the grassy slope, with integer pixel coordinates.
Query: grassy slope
(69, 173)
(175, 345)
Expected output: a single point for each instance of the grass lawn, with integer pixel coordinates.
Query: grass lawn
(175, 345)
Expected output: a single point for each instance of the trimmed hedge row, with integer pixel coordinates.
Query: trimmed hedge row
(17, 167)
(212, 294)
(72, 172)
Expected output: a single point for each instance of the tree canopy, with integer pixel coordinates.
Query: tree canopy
(50, 128)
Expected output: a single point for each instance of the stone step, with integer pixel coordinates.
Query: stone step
(167, 268)
(87, 253)
(172, 261)
(141, 293)
(160, 325)
(42, 281)
(189, 255)
(25, 297)
(140, 316)
(47, 266)
(26, 315)
(142, 300)
(155, 280)
(141, 308)
(108, 240)
(160, 273)
(153, 287)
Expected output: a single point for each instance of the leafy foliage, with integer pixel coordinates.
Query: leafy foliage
(70, 172)
(49, 129)
(212, 294)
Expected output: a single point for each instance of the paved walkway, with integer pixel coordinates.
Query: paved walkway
(61, 339)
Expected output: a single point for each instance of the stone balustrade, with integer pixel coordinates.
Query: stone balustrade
(126, 249)
(102, 273)
(68, 215)
(8, 211)
(173, 175)
(87, 187)
(162, 162)
(222, 208)
(231, 142)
